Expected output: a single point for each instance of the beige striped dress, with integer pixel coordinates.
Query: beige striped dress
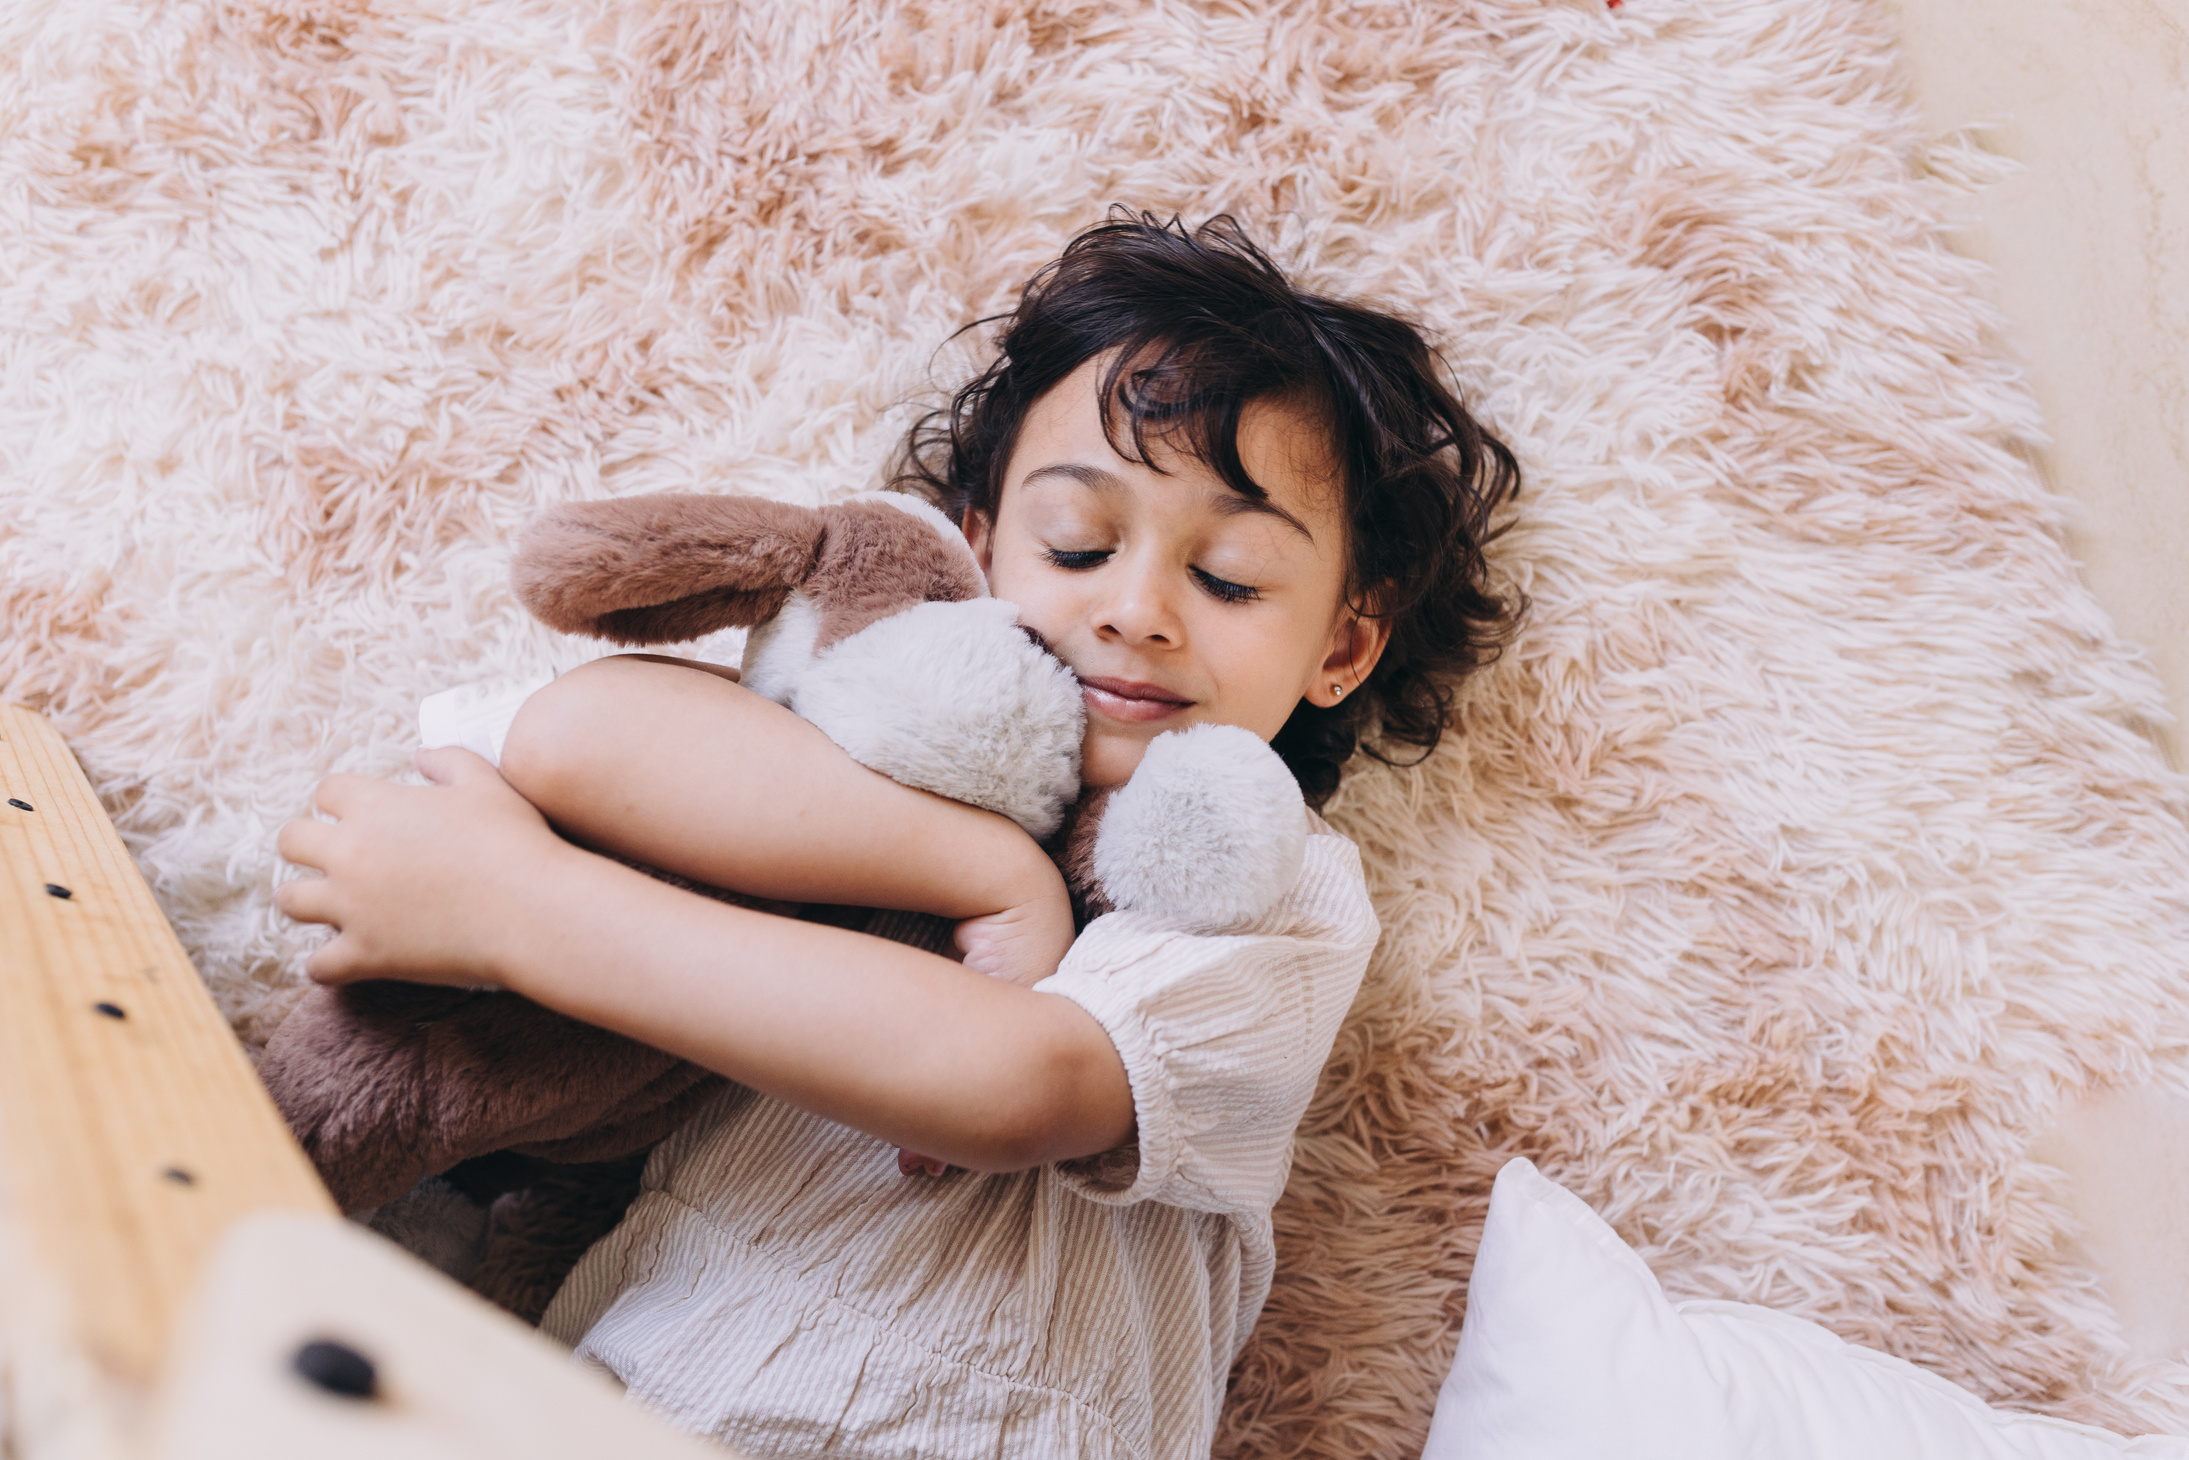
(780, 1286)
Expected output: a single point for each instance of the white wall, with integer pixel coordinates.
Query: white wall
(2091, 246)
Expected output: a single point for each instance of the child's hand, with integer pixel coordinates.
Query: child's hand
(1022, 944)
(419, 879)
(912, 1163)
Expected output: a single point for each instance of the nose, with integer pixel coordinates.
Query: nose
(1136, 606)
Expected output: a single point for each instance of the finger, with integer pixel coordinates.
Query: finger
(452, 765)
(335, 962)
(306, 843)
(307, 900)
(341, 795)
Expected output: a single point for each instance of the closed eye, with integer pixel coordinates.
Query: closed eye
(1214, 586)
(1227, 591)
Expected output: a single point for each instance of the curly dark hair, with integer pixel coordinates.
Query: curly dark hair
(1198, 324)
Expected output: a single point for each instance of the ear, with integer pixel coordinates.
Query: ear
(980, 534)
(1357, 642)
(663, 568)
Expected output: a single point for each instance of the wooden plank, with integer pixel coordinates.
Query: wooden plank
(133, 1130)
(453, 1378)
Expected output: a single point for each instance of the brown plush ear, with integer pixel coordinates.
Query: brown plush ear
(664, 568)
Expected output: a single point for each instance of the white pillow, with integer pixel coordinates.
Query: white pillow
(1570, 1349)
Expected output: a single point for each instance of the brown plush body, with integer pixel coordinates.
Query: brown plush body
(389, 1083)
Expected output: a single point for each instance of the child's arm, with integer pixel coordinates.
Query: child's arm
(691, 773)
(462, 882)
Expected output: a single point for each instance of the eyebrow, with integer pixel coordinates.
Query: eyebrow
(1232, 504)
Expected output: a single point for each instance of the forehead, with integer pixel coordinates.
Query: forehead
(1284, 448)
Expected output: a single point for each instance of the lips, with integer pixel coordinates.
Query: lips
(1130, 699)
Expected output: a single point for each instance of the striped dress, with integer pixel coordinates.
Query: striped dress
(778, 1285)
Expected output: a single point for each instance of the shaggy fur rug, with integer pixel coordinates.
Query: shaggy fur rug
(1806, 851)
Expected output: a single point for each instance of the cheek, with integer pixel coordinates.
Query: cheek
(1005, 574)
(1271, 670)
(1044, 603)
(1109, 759)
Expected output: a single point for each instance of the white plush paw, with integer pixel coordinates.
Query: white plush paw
(954, 698)
(476, 716)
(1211, 830)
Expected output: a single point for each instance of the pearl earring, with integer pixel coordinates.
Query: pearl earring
(1337, 690)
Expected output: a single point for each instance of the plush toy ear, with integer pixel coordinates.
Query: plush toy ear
(664, 568)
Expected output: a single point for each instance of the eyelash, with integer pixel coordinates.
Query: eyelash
(1216, 587)
(1228, 592)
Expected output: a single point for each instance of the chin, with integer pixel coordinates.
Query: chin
(1108, 761)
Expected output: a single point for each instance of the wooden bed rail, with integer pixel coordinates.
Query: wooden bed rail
(167, 1253)
(132, 1128)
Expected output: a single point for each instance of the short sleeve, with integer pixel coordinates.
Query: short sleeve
(1223, 1035)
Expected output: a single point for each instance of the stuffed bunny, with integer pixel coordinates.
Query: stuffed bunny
(872, 620)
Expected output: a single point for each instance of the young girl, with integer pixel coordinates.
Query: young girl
(1217, 499)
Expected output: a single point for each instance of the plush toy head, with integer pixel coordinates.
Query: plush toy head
(869, 618)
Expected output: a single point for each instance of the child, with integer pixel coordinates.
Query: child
(1217, 499)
